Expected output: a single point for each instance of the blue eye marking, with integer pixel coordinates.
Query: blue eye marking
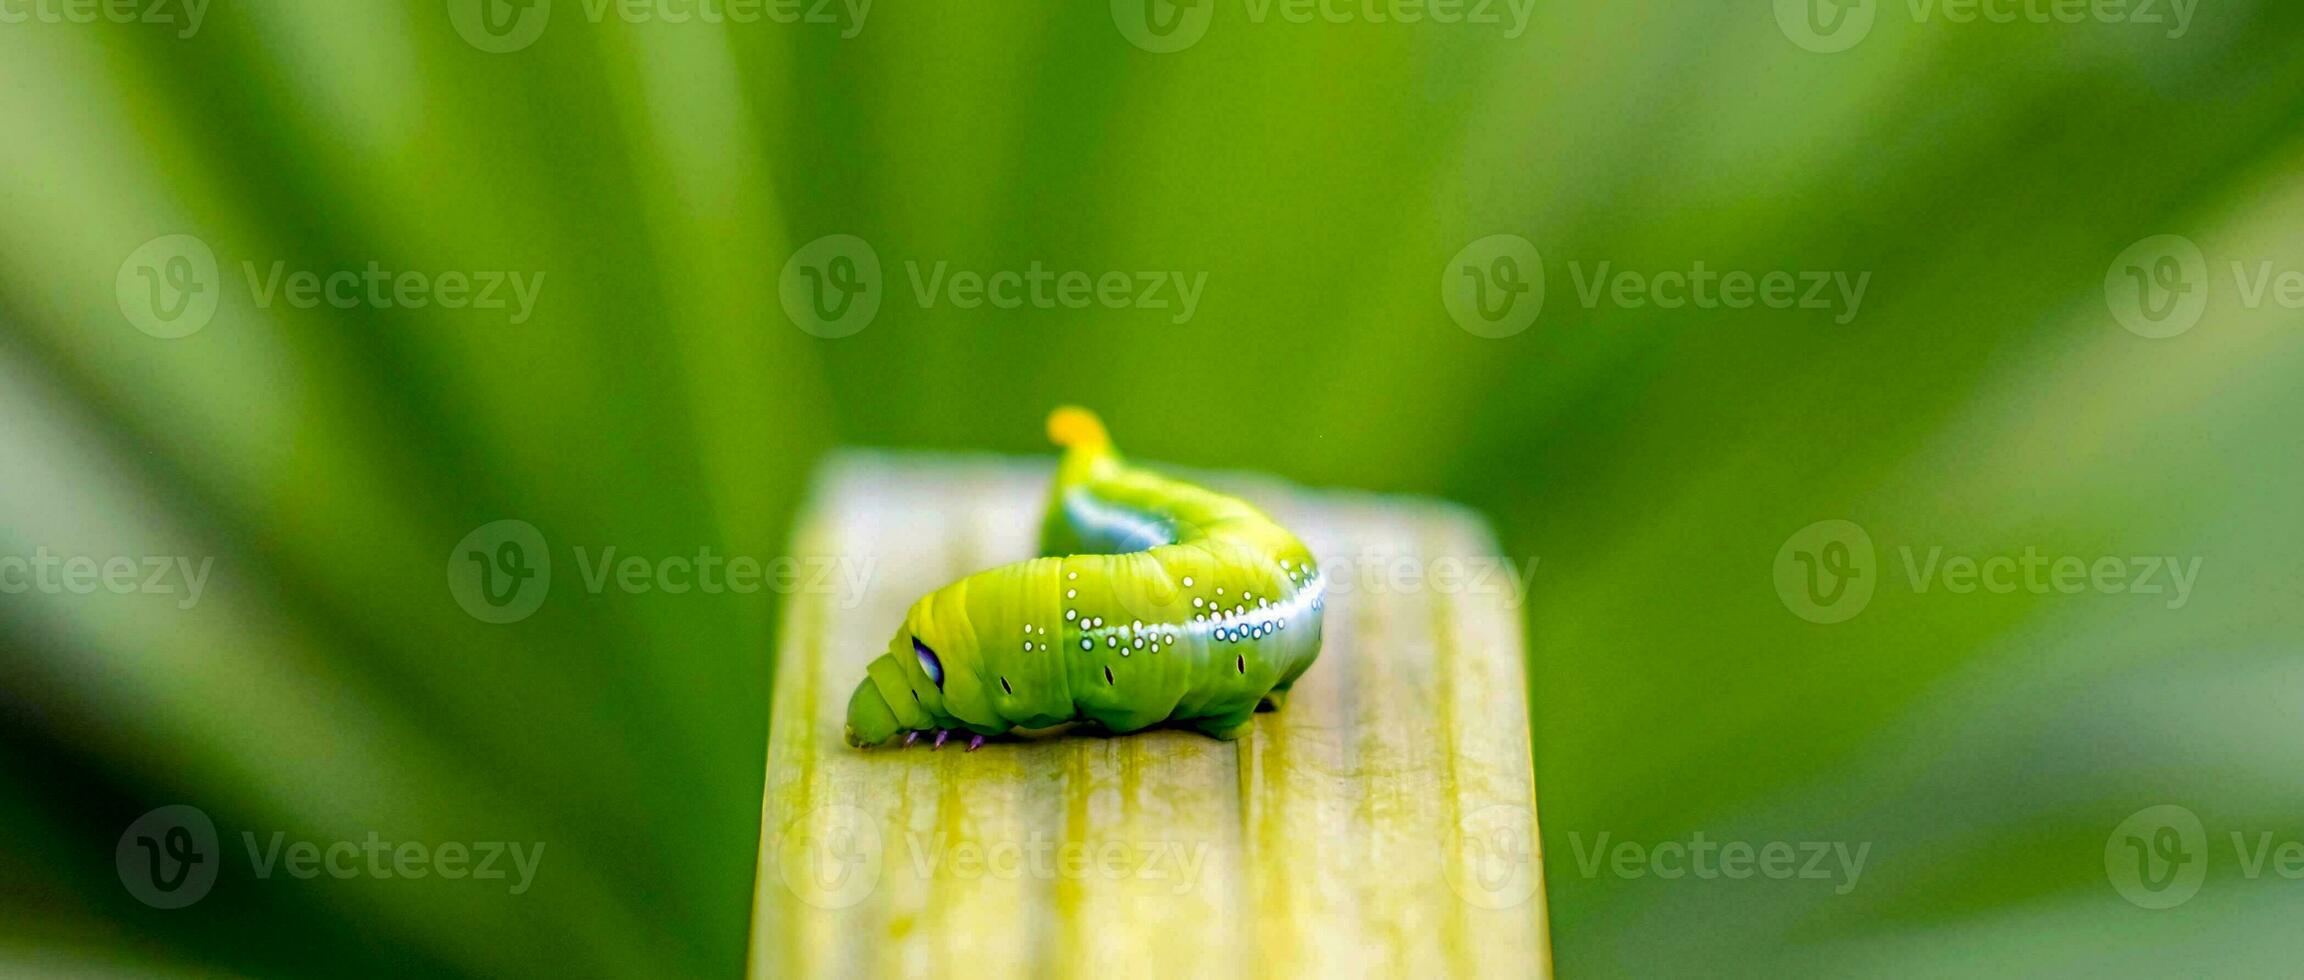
(929, 663)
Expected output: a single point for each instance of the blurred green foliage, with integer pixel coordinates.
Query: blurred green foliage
(1981, 400)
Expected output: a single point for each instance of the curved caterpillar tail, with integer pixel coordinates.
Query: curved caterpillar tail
(1155, 602)
(1074, 426)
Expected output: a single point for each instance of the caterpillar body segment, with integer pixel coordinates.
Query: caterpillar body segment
(1155, 601)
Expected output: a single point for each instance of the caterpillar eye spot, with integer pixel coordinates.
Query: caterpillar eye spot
(1107, 675)
(929, 663)
(1240, 661)
(1004, 686)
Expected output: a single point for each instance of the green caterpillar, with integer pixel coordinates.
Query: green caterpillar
(1158, 601)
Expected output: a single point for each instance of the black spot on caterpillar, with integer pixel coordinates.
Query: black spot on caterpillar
(1132, 563)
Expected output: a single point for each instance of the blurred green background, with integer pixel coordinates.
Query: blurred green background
(1983, 399)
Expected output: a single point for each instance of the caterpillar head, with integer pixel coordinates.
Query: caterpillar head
(870, 720)
(903, 689)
